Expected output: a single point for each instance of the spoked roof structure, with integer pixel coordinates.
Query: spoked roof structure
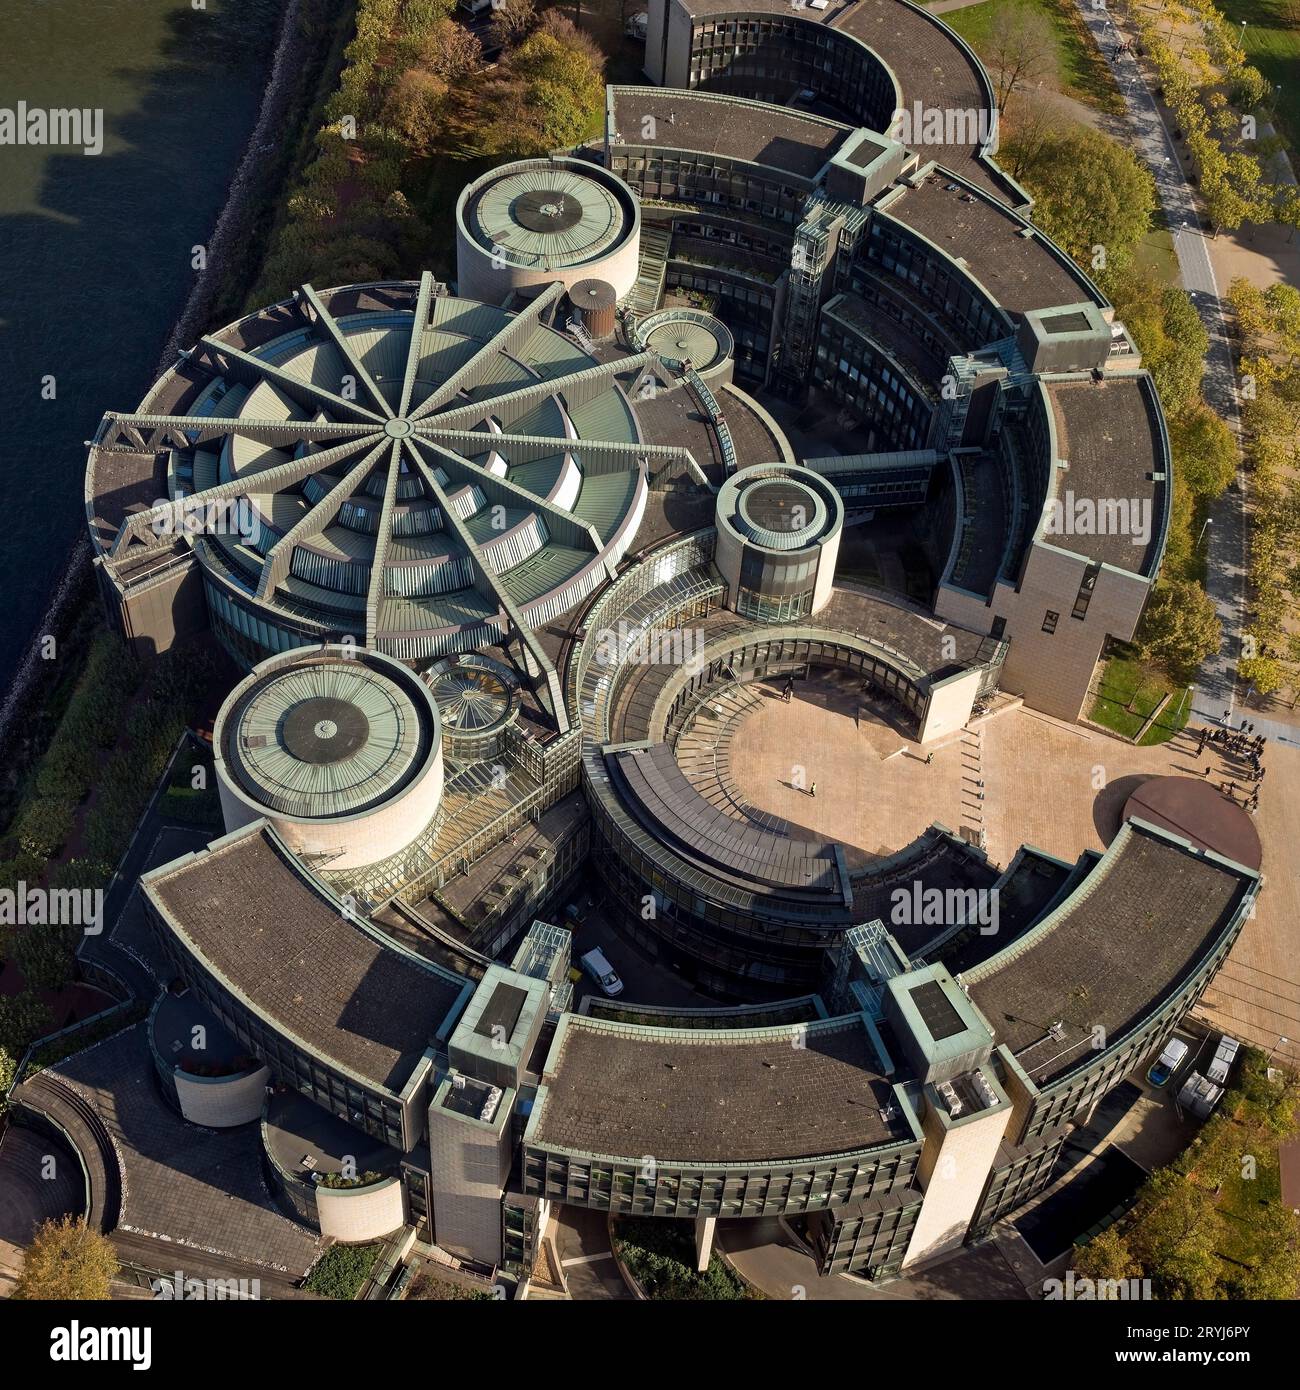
(421, 473)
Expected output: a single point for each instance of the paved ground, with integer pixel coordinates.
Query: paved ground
(1226, 570)
(1057, 786)
(1040, 776)
(767, 1256)
(875, 790)
(582, 1243)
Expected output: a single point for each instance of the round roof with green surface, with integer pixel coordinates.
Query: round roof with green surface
(327, 733)
(547, 215)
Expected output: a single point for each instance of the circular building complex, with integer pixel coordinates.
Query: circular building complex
(778, 538)
(340, 750)
(528, 224)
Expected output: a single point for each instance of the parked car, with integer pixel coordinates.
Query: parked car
(1168, 1062)
(597, 965)
(574, 916)
(1224, 1056)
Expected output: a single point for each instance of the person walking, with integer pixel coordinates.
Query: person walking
(812, 791)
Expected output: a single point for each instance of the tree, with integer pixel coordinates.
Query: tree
(67, 1260)
(1205, 452)
(1107, 1256)
(1091, 191)
(1021, 47)
(1168, 332)
(552, 92)
(414, 107)
(1179, 628)
(449, 50)
(511, 21)
(1263, 672)
(1034, 125)
(1175, 1234)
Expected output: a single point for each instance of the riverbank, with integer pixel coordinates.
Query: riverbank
(303, 69)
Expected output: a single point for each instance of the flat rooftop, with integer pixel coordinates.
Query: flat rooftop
(1108, 431)
(927, 59)
(1021, 272)
(305, 1139)
(1144, 920)
(737, 1096)
(251, 913)
(200, 1190)
(794, 142)
(174, 1022)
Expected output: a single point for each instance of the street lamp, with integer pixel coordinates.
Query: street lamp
(1209, 521)
(1281, 1042)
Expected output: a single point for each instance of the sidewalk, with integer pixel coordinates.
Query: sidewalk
(1227, 559)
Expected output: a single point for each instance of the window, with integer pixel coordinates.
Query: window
(998, 628)
(1050, 620)
(1086, 586)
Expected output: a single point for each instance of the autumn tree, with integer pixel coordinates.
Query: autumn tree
(511, 21)
(551, 94)
(1021, 48)
(1107, 1256)
(67, 1260)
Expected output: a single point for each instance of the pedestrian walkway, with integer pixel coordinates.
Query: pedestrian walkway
(1226, 563)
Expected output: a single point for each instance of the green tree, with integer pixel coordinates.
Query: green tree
(1265, 673)
(552, 92)
(1179, 628)
(1091, 191)
(1164, 324)
(1107, 1256)
(1205, 451)
(1175, 1236)
(67, 1260)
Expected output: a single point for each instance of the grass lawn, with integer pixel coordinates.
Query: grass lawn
(1081, 70)
(1128, 692)
(1272, 43)
(1155, 252)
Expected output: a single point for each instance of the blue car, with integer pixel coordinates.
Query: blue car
(1168, 1062)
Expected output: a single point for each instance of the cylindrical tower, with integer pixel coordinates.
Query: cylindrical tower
(338, 747)
(595, 301)
(525, 225)
(778, 539)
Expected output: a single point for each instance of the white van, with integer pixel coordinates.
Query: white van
(598, 967)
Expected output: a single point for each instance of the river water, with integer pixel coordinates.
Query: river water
(96, 251)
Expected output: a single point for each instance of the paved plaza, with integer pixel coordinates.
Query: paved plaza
(1056, 786)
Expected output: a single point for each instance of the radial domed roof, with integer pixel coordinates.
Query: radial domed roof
(423, 473)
